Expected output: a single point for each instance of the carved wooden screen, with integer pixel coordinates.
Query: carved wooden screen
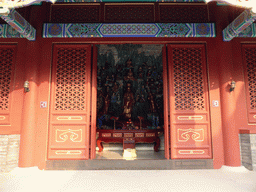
(249, 59)
(7, 66)
(190, 124)
(70, 102)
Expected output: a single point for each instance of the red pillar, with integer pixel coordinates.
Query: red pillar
(227, 97)
(28, 125)
(228, 107)
(31, 103)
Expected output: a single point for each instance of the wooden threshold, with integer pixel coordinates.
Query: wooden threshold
(129, 164)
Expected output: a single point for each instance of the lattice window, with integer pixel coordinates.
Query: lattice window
(6, 62)
(250, 57)
(188, 14)
(70, 79)
(188, 79)
(129, 13)
(75, 14)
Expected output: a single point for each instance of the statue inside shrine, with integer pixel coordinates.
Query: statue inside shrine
(129, 94)
(128, 103)
(152, 103)
(129, 76)
(129, 64)
(106, 104)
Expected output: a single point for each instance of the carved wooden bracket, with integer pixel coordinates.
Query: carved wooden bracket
(17, 22)
(244, 20)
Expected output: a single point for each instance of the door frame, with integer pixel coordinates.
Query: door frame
(212, 73)
(94, 100)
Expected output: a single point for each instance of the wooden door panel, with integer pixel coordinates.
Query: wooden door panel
(190, 118)
(7, 69)
(249, 60)
(166, 108)
(68, 154)
(191, 134)
(68, 118)
(67, 136)
(189, 105)
(69, 131)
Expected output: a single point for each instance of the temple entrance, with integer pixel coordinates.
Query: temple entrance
(128, 109)
(130, 118)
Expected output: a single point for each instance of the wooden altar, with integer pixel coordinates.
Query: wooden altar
(129, 137)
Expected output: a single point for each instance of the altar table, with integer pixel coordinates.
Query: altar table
(129, 137)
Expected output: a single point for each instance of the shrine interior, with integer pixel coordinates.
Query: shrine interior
(130, 98)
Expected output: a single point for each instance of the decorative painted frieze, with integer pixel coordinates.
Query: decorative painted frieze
(17, 22)
(53, 30)
(250, 31)
(6, 31)
(240, 24)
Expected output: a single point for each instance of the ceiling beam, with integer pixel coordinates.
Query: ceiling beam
(244, 20)
(17, 22)
(70, 30)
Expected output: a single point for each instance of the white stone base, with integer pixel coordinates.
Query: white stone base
(129, 154)
(233, 169)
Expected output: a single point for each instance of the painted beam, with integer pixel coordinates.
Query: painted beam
(250, 31)
(17, 22)
(243, 21)
(6, 31)
(69, 30)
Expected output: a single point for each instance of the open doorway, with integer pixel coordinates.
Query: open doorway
(130, 101)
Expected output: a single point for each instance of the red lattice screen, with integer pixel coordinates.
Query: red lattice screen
(75, 13)
(183, 13)
(190, 124)
(249, 52)
(129, 13)
(70, 79)
(70, 102)
(7, 64)
(188, 79)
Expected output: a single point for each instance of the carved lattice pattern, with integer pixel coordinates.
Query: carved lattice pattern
(188, 14)
(142, 13)
(250, 56)
(75, 14)
(188, 79)
(6, 62)
(70, 79)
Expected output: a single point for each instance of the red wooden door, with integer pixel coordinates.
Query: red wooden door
(166, 101)
(69, 133)
(189, 105)
(249, 60)
(11, 89)
(7, 56)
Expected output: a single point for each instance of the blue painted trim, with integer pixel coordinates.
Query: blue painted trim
(240, 24)
(6, 31)
(87, 30)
